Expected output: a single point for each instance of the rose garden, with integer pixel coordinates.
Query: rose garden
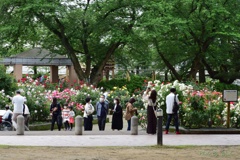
(201, 104)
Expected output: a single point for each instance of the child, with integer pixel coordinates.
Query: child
(71, 117)
(66, 117)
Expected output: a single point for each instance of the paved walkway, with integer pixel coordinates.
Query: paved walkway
(118, 140)
(111, 138)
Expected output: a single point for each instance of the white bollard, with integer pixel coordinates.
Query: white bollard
(134, 125)
(20, 125)
(78, 125)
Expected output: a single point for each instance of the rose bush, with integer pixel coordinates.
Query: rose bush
(201, 105)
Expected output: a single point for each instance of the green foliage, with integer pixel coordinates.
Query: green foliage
(222, 86)
(8, 83)
(38, 106)
(121, 93)
(108, 85)
(87, 31)
(8, 86)
(196, 119)
(142, 118)
(136, 83)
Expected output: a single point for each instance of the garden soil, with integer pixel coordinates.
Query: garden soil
(120, 153)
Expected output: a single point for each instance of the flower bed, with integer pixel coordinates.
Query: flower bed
(201, 105)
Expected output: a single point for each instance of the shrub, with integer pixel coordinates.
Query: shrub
(8, 86)
(222, 86)
(135, 83)
(8, 82)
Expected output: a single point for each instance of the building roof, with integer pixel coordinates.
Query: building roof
(37, 57)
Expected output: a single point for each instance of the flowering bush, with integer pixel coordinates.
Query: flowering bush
(234, 114)
(201, 108)
(142, 118)
(36, 96)
(121, 93)
(81, 94)
(4, 100)
(201, 105)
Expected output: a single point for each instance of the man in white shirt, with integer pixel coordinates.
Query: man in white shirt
(18, 102)
(6, 115)
(169, 110)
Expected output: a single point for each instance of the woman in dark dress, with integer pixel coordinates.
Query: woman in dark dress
(151, 117)
(117, 118)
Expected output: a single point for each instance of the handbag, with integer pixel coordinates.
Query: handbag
(175, 105)
(155, 111)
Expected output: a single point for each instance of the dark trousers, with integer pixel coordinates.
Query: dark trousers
(71, 125)
(66, 125)
(101, 123)
(169, 119)
(56, 118)
(129, 125)
(88, 123)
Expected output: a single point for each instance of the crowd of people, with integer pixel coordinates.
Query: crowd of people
(64, 116)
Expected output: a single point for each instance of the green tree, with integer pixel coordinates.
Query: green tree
(8, 83)
(192, 36)
(88, 32)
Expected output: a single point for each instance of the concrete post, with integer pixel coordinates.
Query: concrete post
(78, 125)
(20, 125)
(134, 125)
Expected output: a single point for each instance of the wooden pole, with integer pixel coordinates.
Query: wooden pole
(228, 115)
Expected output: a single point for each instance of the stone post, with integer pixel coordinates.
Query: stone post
(134, 125)
(78, 125)
(20, 125)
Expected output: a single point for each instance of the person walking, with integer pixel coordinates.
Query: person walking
(18, 102)
(65, 117)
(151, 108)
(55, 110)
(130, 110)
(88, 111)
(71, 118)
(117, 120)
(171, 97)
(102, 111)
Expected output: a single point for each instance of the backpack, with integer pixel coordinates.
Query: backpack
(175, 106)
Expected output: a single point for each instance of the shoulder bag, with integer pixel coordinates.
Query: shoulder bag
(175, 105)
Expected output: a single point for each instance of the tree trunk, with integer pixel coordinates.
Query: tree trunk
(107, 75)
(167, 63)
(60, 33)
(96, 73)
(202, 77)
(194, 68)
(166, 75)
